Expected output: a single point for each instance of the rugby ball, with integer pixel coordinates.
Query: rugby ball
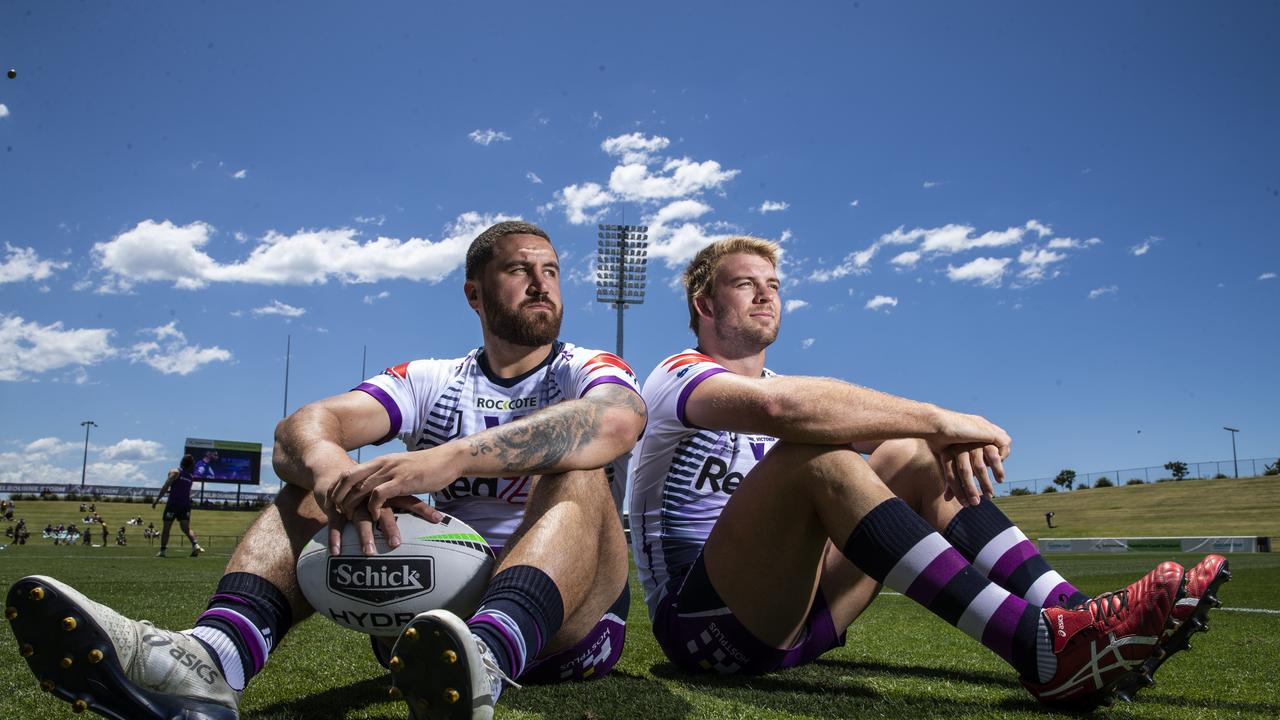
(443, 565)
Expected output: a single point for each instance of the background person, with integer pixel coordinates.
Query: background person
(178, 506)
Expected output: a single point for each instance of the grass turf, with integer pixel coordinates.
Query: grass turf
(899, 661)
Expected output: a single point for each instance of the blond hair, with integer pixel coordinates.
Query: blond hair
(701, 273)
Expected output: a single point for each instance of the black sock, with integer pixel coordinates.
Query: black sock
(520, 612)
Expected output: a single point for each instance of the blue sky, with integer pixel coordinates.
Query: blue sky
(1063, 218)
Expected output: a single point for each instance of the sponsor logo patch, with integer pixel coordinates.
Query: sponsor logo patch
(524, 403)
(378, 581)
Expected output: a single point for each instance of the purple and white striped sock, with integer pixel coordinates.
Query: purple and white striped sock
(246, 619)
(896, 547)
(986, 537)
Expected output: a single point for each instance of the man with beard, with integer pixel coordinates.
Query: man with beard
(514, 438)
(761, 533)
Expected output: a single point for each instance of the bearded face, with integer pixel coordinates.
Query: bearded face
(532, 322)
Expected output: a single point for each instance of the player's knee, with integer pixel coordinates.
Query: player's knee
(835, 464)
(903, 456)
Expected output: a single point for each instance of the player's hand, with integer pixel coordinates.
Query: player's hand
(373, 484)
(968, 470)
(961, 429)
(363, 520)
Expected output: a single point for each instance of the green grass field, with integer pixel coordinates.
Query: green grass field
(899, 662)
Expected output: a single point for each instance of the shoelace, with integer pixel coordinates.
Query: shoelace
(496, 677)
(1103, 609)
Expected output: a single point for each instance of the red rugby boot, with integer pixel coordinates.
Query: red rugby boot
(1102, 644)
(1190, 616)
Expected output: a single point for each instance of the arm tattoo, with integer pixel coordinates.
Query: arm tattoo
(541, 441)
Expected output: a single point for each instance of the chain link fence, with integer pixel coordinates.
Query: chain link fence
(1207, 470)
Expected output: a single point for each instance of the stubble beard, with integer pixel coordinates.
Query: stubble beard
(752, 336)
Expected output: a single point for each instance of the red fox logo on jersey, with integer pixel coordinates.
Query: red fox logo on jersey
(401, 371)
(604, 359)
(676, 362)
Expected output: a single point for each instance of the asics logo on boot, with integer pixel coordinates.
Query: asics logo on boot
(1062, 627)
(202, 669)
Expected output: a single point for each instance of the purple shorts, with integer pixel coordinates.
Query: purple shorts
(594, 655)
(700, 634)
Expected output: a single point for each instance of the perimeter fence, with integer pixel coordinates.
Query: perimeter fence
(1206, 470)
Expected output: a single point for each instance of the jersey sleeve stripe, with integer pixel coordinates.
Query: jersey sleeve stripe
(608, 359)
(607, 379)
(393, 410)
(688, 389)
(683, 359)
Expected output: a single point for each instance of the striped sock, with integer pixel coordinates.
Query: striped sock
(987, 538)
(896, 547)
(520, 612)
(246, 619)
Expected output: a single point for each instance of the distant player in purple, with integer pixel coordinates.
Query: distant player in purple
(760, 532)
(178, 505)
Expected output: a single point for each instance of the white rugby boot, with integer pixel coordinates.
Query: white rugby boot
(443, 672)
(97, 659)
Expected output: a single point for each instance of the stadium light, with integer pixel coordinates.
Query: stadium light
(1234, 462)
(622, 259)
(84, 465)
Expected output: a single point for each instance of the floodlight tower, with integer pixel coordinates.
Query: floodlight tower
(622, 258)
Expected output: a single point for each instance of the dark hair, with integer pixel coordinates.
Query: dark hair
(481, 250)
(187, 462)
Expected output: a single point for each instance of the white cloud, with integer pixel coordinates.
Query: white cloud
(488, 137)
(240, 174)
(635, 148)
(793, 305)
(769, 206)
(808, 343)
(46, 447)
(1145, 246)
(1096, 293)
(1071, 243)
(949, 240)
(23, 263)
(368, 220)
(580, 202)
(371, 299)
(984, 271)
(855, 203)
(4, 110)
(1267, 276)
(29, 348)
(134, 450)
(906, 259)
(1036, 262)
(170, 354)
(881, 301)
(681, 177)
(532, 177)
(930, 184)
(596, 117)
(164, 252)
(278, 308)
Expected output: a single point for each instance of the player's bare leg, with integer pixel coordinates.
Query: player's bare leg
(768, 549)
(560, 573)
(763, 555)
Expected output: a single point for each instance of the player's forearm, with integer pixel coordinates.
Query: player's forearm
(574, 435)
(309, 444)
(826, 411)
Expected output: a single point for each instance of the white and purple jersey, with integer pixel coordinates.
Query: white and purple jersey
(683, 474)
(431, 402)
